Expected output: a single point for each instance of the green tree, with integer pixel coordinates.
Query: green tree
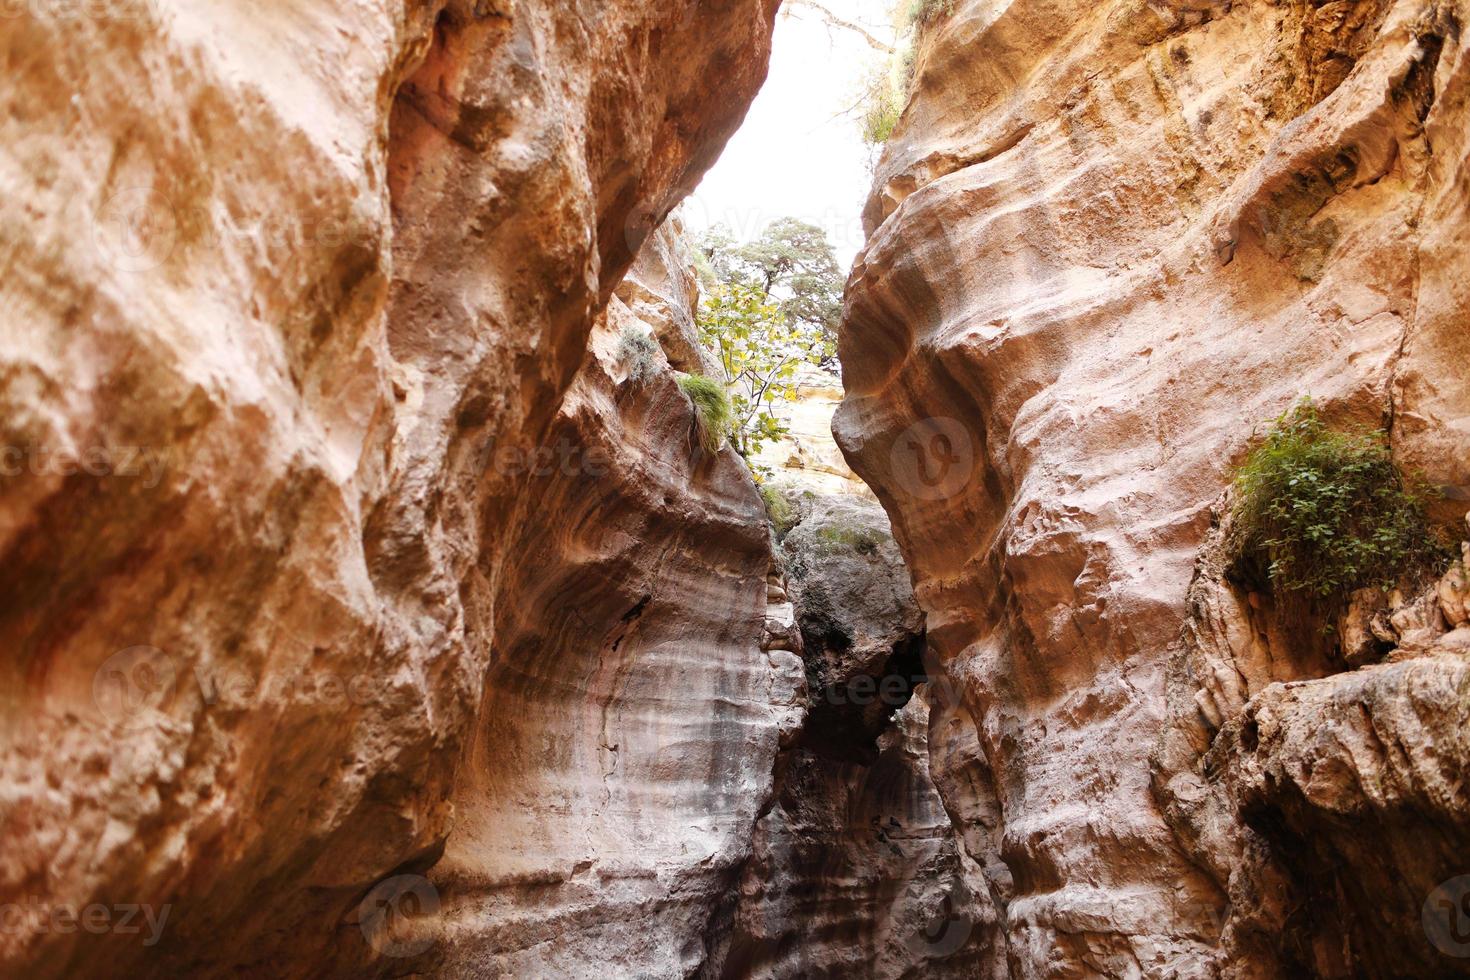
(758, 348)
(771, 305)
(791, 265)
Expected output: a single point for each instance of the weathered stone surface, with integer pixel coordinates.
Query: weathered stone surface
(662, 291)
(1454, 592)
(333, 268)
(857, 871)
(806, 456)
(856, 868)
(1106, 241)
(1325, 801)
(631, 718)
(1351, 786)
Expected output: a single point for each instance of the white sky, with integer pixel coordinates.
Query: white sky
(797, 153)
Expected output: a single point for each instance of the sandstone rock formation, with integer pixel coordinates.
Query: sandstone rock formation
(1328, 802)
(366, 613)
(631, 717)
(293, 295)
(1105, 242)
(856, 868)
(662, 292)
(806, 456)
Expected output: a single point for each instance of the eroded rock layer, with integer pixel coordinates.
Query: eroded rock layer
(291, 292)
(631, 717)
(1322, 783)
(1106, 241)
(856, 869)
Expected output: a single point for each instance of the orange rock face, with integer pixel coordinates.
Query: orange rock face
(1106, 241)
(631, 714)
(292, 296)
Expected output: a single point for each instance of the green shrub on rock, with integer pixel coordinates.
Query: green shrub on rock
(712, 412)
(781, 513)
(863, 540)
(924, 11)
(1323, 512)
(637, 350)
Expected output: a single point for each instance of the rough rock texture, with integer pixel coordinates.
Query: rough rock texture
(332, 268)
(1106, 241)
(856, 869)
(631, 717)
(1329, 802)
(661, 291)
(806, 456)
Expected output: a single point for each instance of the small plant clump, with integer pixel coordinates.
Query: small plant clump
(883, 103)
(925, 11)
(782, 515)
(637, 350)
(712, 412)
(1323, 512)
(886, 90)
(865, 541)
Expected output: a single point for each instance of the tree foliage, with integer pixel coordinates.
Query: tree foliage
(791, 265)
(771, 306)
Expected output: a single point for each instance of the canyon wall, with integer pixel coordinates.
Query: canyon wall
(328, 621)
(371, 607)
(1106, 242)
(632, 714)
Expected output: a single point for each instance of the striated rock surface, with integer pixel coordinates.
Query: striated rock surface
(1329, 802)
(1106, 241)
(631, 718)
(856, 868)
(806, 456)
(292, 295)
(661, 291)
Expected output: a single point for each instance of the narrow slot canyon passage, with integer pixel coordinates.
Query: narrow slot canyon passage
(723, 489)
